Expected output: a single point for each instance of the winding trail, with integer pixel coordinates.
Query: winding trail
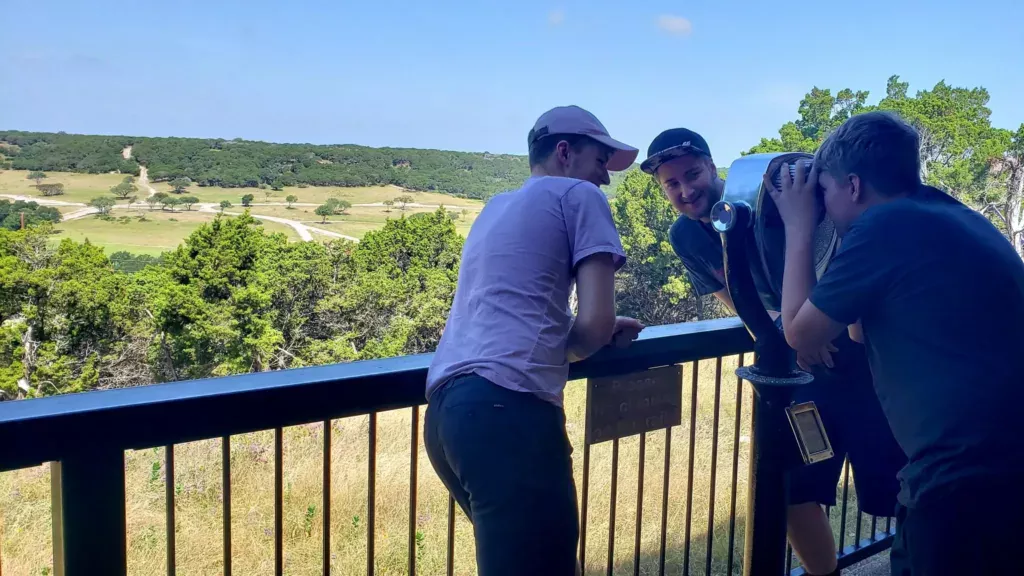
(303, 231)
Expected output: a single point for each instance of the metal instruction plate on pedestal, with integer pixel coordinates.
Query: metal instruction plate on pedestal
(620, 406)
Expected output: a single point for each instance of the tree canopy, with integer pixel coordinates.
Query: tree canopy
(961, 151)
(232, 298)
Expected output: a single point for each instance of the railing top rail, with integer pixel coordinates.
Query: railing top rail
(58, 427)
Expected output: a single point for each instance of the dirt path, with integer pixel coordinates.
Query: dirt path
(304, 232)
(144, 180)
(127, 153)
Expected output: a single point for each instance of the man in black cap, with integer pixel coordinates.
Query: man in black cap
(680, 161)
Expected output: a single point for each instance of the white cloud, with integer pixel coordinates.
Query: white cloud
(675, 25)
(556, 17)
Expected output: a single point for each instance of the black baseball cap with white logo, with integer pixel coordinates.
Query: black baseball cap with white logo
(672, 144)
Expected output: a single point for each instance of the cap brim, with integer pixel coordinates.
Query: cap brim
(623, 157)
(651, 164)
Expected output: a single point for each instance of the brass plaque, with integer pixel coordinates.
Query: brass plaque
(620, 406)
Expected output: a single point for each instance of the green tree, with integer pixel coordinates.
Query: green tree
(338, 206)
(247, 200)
(1004, 198)
(188, 201)
(180, 184)
(653, 286)
(291, 199)
(324, 210)
(172, 202)
(124, 189)
(36, 175)
(404, 200)
(153, 199)
(267, 194)
(55, 189)
(819, 113)
(161, 198)
(958, 141)
(388, 204)
(103, 204)
(12, 214)
(224, 204)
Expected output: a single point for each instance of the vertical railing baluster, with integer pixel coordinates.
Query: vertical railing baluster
(611, 508)
(371, 494)
(842, 516)
(225, 479)
(664, 500)
(278, 502)
(639, 504)
(714, 468)
(169, 503)
(735, 468)
(888, 524)
(789, 559)
(413, 459)
(328, 432)
(856, 538)
(451, 535)
(56, 522)
(874, 527)
(584, 498)
(689, 474)
(93, 513)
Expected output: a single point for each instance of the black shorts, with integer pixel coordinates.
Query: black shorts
(857, 429)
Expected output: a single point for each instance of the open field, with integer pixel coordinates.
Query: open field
(360, 219)
(164, 234)
(319, 194)
(160, 232)
(77, 187)
(25, 546)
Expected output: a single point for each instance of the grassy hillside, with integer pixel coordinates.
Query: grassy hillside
(243, 163)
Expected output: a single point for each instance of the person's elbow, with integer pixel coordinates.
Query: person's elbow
(595, 329)
(799, 339)
(810, 329)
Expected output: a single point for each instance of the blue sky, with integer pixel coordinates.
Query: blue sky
(465, 75)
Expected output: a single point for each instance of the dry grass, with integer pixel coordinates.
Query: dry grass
(24, 498)
(360, 219)
(77, 187)
(161, 231)
(320, 194)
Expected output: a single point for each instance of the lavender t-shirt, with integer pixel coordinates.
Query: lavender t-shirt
(510, 320)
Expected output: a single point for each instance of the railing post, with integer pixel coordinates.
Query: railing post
(92, 514)
(765, 537)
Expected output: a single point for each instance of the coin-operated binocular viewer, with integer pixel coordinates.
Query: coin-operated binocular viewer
(753, 239)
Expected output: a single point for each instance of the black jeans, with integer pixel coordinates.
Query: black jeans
(506, 460)
(975, 529)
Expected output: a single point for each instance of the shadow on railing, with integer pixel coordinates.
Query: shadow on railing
(647, 501)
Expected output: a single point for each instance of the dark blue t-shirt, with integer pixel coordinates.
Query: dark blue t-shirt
(699, 247)
(941, 295)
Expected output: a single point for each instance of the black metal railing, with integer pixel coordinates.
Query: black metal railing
(88, 475)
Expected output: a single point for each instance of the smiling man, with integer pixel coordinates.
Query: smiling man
(940, 294)
(680, 160)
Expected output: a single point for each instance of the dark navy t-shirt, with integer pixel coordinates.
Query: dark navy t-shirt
(941, 295)
(699, 247)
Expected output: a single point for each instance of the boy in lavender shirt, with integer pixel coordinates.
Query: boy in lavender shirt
(495, 426)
